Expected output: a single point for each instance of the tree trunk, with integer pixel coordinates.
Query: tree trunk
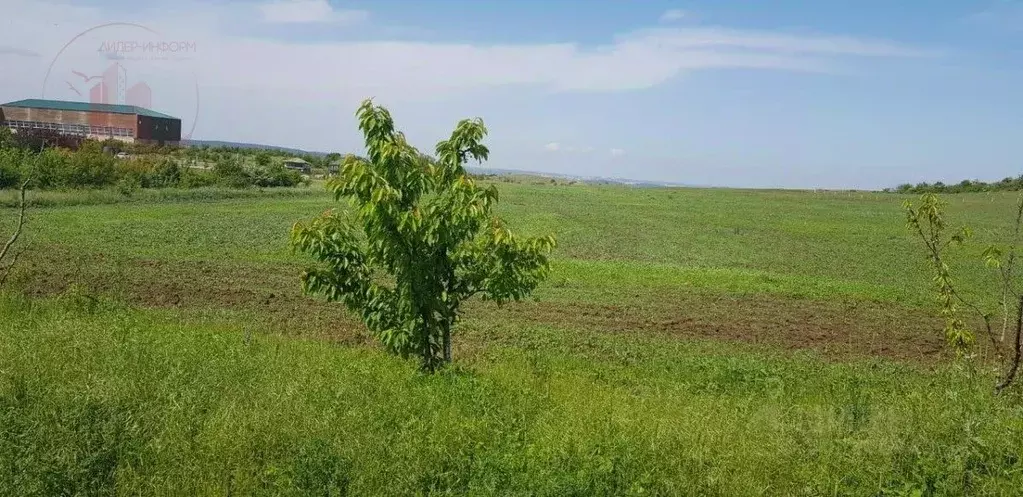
(429, 361)
(1014, 367)
(447, 342)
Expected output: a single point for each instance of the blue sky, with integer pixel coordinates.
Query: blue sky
(748, 93)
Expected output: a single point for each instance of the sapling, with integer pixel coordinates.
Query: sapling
(928, 222)
(418, 240)
(8, 258)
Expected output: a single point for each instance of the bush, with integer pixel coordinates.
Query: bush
(138, 171)
(6, 138)
(11, 163)
(129, 184)
(91, 164)
(90, 168)
(232, 173)
(167, 174)
(48, 168)
(196, 178)
(59, 168)
(146, 172)
(275, 176)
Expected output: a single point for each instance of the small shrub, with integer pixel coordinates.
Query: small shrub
(11, 163)
(128, 185)
(48, 168)
(138, 172)
(276, 176)
(197, 178)
(90, 168)
(6, 138)
(167, 174)
(232, 173)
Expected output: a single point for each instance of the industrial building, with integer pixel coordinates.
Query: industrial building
(129, 123)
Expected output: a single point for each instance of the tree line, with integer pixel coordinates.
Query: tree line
(1008, 184)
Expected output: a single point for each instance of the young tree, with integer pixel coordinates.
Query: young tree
(418, 240)
(7, 258)
(928, 221)
(263, 158)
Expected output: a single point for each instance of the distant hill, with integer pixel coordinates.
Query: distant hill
(569, 177)
(217, 143)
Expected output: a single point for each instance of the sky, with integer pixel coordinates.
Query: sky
(741, 93)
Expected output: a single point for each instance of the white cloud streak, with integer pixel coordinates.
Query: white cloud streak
(18, 51)
(672, 15)
(309, 11)
(424, 70)
(711, 38)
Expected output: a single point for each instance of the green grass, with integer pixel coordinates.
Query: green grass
(65, 198)
(100, 398)
(168, 373)
(819, 245)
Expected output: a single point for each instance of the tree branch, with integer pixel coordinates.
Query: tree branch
(938, 261)
(1011, 374)
(21, 223)
(1007, 283)
(5, 272)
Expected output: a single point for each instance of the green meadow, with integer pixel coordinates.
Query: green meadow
(688, 342)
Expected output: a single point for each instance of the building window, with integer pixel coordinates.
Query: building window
(71, 129)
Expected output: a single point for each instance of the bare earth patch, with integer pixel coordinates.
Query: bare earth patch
(835, 330)
(271, 291)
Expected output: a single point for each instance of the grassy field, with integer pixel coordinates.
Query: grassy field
(689, 342)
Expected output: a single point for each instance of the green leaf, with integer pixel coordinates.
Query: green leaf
(425, 226)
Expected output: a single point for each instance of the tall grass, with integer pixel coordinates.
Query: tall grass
(96, 398)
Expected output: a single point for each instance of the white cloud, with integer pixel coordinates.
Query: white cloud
(715, 39)
(672, 15)
(617, 152)
(308, 11)
(552, 146)
(18, 51)
(418, 70)
(251, 85)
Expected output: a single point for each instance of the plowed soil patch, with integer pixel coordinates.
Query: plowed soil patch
(835, 329)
